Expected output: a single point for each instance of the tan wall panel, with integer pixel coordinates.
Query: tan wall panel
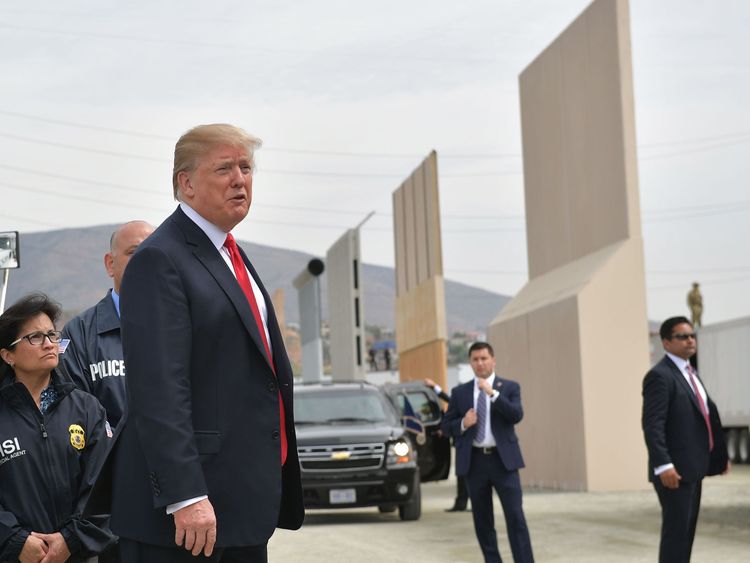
(420, 318)
(419, 225)
(573, 118)
(547, 226)
(540, 350)
(432, 213)
(420, 301)
(428, 360)
(576, 334)
(614, 362)
(410, 234)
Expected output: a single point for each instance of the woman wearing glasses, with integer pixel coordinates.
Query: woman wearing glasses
(53, 441)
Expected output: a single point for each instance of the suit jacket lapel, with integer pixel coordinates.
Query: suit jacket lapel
(207, 254)
(682, 381)
(274, 332)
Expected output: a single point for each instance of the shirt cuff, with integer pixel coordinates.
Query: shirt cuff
(437, 389)
(172, 508)
(662, 468)
(495, 395)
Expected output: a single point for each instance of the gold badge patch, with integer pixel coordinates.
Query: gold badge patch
(77, 436)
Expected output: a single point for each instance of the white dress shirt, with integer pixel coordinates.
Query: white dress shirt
(217, 238)
(489, 439)
(682, 365)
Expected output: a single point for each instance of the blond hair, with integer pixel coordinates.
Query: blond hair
(199, 140)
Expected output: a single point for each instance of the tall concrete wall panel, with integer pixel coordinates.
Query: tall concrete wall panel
(346, 308)
(420, 293)
(576, 335)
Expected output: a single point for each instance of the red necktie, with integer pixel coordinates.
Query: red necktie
(244, 280)
(702, 405)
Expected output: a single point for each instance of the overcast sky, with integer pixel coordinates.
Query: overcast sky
(348, 97)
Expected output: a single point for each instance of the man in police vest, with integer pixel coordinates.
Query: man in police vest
(93, 358)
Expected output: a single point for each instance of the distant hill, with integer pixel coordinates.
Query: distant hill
(68, 265)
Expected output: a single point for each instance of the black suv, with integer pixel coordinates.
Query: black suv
(356, 449)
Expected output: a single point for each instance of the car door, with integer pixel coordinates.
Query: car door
(416, 400)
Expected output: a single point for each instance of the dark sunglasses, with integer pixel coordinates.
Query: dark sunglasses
(684, 335)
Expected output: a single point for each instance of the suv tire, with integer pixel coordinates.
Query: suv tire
(412, 510)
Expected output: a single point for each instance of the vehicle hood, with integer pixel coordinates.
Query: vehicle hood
(334, 434)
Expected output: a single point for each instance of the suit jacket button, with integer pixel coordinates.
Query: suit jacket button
(271, 386)
(275, 434)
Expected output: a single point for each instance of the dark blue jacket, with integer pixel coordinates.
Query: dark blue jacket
(203, 399)
(93, 360)
(505, 412)
(48, 464)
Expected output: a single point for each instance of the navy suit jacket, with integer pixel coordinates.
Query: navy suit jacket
(203, 407)
(674, 427)
(505, 412)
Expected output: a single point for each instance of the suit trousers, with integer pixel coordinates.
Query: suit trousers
(486, 473)
(136, 552)
(679, 517)
(462, 492)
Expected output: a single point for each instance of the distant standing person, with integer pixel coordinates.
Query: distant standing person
(387, 358)
(684, 438)
(481, 416)
(695, 303)
(371, 356)
(93, 359)
(462, 491)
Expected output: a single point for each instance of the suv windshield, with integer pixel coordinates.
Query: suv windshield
(323, 407)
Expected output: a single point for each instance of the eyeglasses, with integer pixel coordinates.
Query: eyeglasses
(684, 335)
(37, 338)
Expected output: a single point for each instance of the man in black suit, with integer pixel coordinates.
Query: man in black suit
(206, 465)
(481, 417)
(684, 438)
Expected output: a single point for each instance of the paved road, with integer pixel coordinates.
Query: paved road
(565, 527)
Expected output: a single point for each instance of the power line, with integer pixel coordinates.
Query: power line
(97, 183)
(192, 42)
(724, 140)
(81, 149)
(672, 214)
(33, 221)
(704, 283)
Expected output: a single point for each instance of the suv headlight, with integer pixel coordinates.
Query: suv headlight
(400, 453)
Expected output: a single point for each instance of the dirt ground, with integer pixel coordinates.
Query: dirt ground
(565, 527)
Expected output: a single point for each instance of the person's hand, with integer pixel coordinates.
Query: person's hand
(728, 468)
(195, 525)
(33, 550)
(670, 478)
(429, 382)
(470, 418)
(57, 549)
(485, 386)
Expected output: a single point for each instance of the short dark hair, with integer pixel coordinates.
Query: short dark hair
(481, 346)
(18, 314)
(668, 326)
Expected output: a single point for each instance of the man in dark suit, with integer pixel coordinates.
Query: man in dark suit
(206, 465)
(684, 438)
(481, 417)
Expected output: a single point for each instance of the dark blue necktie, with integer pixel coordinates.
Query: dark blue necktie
(481, 416)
